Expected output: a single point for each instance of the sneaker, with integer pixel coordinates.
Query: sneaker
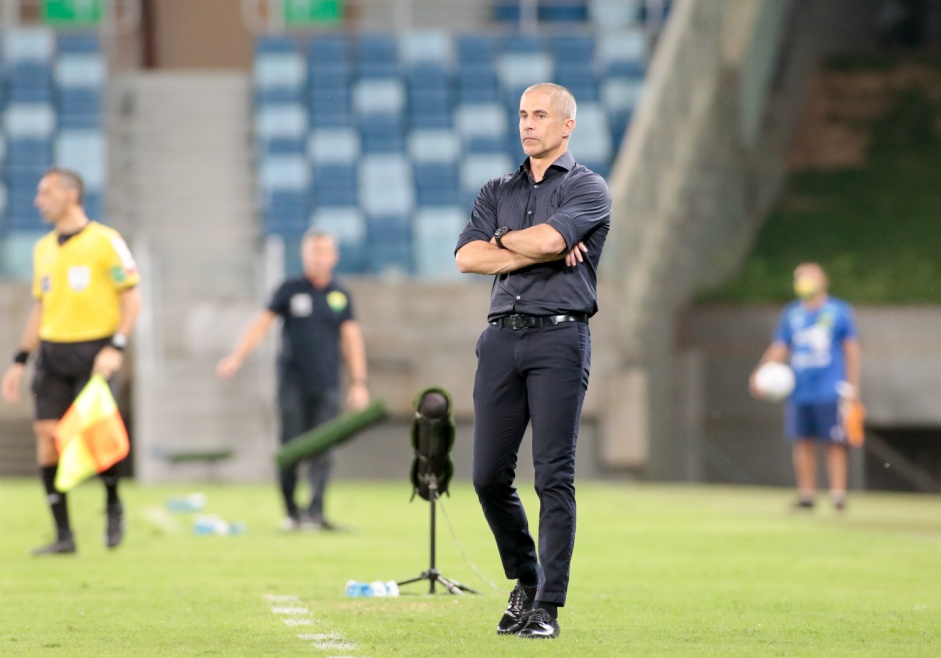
(317, 523)
(539, 626)
(517, 607)
(61, 546)
(114, 529)
(801, 504)
(290, 524)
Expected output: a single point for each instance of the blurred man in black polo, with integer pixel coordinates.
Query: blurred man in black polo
(540, 230)
(86, 304)
(318, 327)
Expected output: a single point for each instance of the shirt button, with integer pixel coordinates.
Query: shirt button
(517, 298)
(536, 185)
(529, 212)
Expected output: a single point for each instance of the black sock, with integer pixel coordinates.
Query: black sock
(551, 608)
(110, 479)
(288, 478)
(529, 579)
(56, 500)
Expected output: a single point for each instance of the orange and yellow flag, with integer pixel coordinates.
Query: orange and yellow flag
(91, 435)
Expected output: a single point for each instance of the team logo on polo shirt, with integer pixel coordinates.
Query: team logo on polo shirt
(337, 301)
(302, 305)
(79, 277)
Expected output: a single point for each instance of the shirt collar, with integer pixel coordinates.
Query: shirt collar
(565, 162)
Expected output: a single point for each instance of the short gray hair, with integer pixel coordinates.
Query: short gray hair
(562, 100)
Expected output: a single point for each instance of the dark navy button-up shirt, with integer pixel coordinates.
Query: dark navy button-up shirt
(573, 200)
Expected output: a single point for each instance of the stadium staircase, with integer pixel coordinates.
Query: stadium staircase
(182, 190)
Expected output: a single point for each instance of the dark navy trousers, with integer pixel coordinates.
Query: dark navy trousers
(300, 411)
(537, 376)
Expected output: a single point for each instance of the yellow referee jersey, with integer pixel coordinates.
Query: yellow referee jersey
(79, 283)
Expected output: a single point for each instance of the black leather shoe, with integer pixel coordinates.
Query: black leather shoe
(62, 546)
(520, 603)
(114, 530)
(539, 626)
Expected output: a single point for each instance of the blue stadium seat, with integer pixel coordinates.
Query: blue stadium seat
(436, 184)
(483, 127)
(572, 50)
(30, 82)
(332, 50)
(622, 52)
(279, 77)
(78, 43)
(477, 83)
(285, 211)
(333, 146)
(386, 185)
(425, 47)
(591, 142)
(436, 229)
(434, 146)
(376, 56)
(389, 245)
(430, 108)
(335, 184)
(83, 151)
(580, 80)
(609, 14)
(29, 45)
(28, 156)
(479, 49)
(284, 120)
(284, 172)
(80, 107)
(563, 11)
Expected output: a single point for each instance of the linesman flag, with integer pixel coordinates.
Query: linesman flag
(91, 436)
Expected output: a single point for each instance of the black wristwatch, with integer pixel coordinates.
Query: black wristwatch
(498, 236)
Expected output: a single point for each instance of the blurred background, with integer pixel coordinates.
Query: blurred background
(738, 138)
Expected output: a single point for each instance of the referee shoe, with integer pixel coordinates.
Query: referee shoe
(114, 529)
(518, 606)
(61, 546)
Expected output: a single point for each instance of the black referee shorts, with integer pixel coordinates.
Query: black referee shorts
(62, 370)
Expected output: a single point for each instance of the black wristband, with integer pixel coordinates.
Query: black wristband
(21, 357)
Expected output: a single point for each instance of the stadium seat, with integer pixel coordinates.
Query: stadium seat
(333, 146)
(331, 50)
(386, 185)
(376, 56)
(622, 53)
(436, 229)
(607, 14)
(29, 45)
(335, 184)
(379, 96)
(284, 172)
(425, 47)
(434, 146)
(519, 70)
(280, 77)
(562, 11)
(436, 184)
(83, 151)
(284, 120)
(29, 121)
(482, 127)
(568, 50)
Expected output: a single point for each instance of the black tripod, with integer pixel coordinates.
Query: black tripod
(432, 575)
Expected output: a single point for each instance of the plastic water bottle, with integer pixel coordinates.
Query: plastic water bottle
(190, 503)
(211, 524)
(355, 588)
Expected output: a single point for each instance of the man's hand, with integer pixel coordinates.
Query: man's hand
(574, 256)
(108, 361)
(228, 366)
(11, 382)
(357, 397)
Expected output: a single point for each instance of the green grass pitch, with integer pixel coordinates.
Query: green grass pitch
(658, 571)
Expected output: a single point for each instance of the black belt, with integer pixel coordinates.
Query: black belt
(518, 321)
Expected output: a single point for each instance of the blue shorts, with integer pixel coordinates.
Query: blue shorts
(820, 421)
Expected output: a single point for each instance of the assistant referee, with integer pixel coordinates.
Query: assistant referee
(85, 304)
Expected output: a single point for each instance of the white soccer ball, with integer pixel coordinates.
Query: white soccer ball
(774, 381)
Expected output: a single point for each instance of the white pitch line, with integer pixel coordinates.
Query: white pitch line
(289, 610)
(282, 598)
(320, 637)
(298, 622)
